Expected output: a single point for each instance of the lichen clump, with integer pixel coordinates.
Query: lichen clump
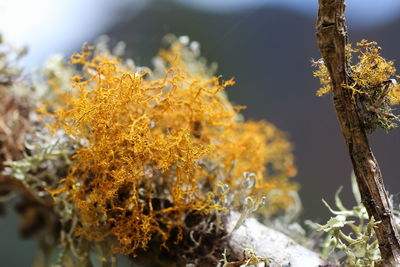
(159, 145)
(371, 84)
(350, 239)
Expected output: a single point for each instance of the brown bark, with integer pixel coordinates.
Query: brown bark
(332, 39)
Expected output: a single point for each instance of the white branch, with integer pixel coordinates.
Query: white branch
(269, 243)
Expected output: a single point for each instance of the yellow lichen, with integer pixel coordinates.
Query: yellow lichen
(370, 71)
(159, 146)
(370, 83)
(324, 78)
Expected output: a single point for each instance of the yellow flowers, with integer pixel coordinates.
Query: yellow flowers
(159, 144)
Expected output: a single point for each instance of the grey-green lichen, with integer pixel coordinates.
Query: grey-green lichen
(46, 158)
(349, 236)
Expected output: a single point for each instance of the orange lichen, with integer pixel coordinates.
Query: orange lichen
(159, 147)
(371, 84)
(370, 71)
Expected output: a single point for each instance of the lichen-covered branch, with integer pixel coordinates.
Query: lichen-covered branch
(274, 247)
(332, 40)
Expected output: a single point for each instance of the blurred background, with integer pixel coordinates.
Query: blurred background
(266, 45)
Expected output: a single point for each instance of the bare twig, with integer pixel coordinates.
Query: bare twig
(332, 39)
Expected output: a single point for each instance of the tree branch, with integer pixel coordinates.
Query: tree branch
(269, 243)
(332, 39)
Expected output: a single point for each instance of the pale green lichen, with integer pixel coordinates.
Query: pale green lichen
(47, 157)
(350, 239)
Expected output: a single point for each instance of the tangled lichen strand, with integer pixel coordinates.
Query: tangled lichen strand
(371, 85)
(159, 146)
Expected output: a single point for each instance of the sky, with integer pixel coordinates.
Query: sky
(48, 26)
(362, 13)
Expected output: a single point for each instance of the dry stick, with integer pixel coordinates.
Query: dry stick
(332, 39)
